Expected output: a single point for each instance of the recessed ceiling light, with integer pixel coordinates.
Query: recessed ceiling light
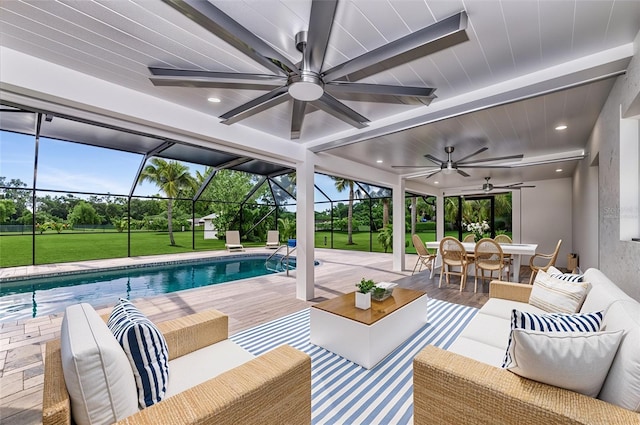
(436, 182)
(561, 127)
(379, 161)
(214, 100)
(558, 170)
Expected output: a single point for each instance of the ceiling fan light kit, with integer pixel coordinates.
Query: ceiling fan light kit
(307, 82)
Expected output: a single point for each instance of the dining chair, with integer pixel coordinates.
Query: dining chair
(508, 259)
(551, 261)
(453, 254)
(425, 258)
(488, 255)
(469, 238)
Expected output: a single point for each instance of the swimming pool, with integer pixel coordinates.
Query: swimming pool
(38, 297)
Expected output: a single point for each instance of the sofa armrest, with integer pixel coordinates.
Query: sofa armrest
(450, 388)
(193, 332)
(56, 406)
(510, 291)
(272, 388)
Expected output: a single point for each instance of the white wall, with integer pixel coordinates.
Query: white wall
(618, 259)
(545, 217)
(585, 213)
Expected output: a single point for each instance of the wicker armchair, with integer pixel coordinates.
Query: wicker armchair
(272, 388)
(549, 258)
(453, 255)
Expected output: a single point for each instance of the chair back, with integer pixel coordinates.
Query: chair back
(420, 247)
(554, 257)
(232, 237)
(469, 238)
(452, 251)
(488, 254)
(503, 239)
(273, 236)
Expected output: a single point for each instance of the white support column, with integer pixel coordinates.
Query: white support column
(398, 225)
(516, 216)
(305, 255)
(440, 217)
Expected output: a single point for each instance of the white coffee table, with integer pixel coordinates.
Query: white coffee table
(366, 337)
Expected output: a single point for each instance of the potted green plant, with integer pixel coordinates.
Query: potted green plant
(363, 294)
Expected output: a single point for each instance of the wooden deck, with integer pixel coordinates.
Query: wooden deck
(248, 303)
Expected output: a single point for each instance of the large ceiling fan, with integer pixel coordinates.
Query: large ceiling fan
(448, 166)
(306, 82)
(488, 187)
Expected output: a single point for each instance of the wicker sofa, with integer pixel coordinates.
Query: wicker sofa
(466, 385)
(272, 388)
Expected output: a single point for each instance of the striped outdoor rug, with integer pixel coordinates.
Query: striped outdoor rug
(345, 393)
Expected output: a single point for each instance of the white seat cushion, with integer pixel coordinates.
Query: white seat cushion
(503, 308)
(479, 351)
(96, 370)
(201, 365)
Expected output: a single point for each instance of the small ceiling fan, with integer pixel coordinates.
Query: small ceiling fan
(306, 82)
(488, 187)
(449, 166)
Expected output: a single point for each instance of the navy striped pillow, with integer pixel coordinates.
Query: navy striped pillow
(569, 277)
(553, 322)
(146, 349)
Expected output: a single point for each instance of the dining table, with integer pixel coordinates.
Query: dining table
(517, 250)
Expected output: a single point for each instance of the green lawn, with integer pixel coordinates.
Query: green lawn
(15, 250)
(65, 247)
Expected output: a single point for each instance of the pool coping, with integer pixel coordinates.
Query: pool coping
(20, 273)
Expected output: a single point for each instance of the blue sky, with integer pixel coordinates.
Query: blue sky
(82, 168)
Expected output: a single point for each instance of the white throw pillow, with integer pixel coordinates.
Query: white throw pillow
(576, 361)
(555, 295)
(146, 349)
(96, 371)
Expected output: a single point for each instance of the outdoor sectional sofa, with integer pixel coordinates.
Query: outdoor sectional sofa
(467, 385)
(211, 380)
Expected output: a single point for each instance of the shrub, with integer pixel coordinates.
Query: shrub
(426, 226)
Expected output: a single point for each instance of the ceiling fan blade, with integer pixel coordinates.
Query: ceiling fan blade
(259, 104)
(434, 159)
(220, 24)
(320, 22)
(297, 118)
(333, 106)
(197, 78)
(499, 158)
(380, 89)
(414, 166)
(436, 37)
(479, 151)
(462, 173)
(432, 174)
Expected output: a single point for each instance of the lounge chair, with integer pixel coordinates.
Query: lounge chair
(273, 239)
(233, 241)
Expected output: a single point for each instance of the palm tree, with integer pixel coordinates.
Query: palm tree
(341, 185)
(171, 178)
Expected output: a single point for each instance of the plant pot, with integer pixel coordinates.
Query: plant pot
(363, 301)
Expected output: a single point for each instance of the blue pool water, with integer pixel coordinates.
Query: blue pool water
(39, 297)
